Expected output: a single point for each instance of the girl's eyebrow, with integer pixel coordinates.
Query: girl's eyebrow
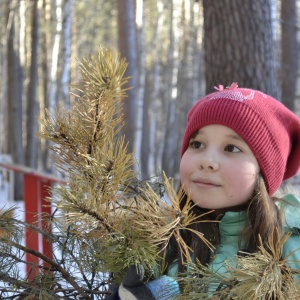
(235, 137)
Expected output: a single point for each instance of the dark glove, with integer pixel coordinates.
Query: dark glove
(114, 295)
(133, 287)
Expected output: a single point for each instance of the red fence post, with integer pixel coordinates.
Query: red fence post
(32, 195)
(37, 187)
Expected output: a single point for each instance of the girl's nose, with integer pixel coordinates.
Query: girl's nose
(209, 163)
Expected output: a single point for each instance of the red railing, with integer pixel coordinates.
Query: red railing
(37, 187)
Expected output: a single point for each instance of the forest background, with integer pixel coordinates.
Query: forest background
(177, 51)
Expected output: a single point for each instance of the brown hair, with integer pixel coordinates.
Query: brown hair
(264, 221)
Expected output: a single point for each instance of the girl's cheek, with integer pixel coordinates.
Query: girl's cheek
(245, 176)
(184, 167)
(181, 166)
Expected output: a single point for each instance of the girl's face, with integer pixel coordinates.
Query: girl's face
(218, 169)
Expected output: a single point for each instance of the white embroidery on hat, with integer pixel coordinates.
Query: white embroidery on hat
(232, 94)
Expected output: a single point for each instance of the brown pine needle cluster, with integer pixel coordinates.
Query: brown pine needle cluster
(6, 217)
(118, 220)
(265, 275)
(262, 275)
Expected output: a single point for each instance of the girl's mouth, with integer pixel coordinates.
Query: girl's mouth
(206, 184)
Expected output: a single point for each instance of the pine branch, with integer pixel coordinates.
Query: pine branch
(52, 275)
(53, 264)
(104, 203)
(260, 275)
(265, 274)
(116, 219)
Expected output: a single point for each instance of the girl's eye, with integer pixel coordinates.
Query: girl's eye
(232, 148)
(196, 144)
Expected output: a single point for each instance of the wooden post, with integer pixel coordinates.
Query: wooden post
(32, 196)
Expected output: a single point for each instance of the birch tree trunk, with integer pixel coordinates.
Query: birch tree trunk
(169, 151)
(44, 76)
(154, 158)
(140, 21)
(289, 52)
(22, 33)
(52, 102)
(239, 44)
(128, 49)
(32, 103)
(197, 53)
(55, 55)
(67, 42)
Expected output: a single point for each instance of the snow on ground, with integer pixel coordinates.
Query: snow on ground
(5, 203)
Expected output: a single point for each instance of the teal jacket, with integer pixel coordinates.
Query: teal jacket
(230, 229)
(233, 222)
(291, 248)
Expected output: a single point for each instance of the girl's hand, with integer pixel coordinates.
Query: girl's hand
(133, 287)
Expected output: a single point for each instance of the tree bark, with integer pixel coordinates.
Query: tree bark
(4, 148)
(153, 98)
(32, 103)
(128, 49)
(289, 52)
(55, 56)
(53, 93)
(44, 79)
(239, 44)
(140, 21)
(169, 150)
(14, 98)
(67, 42)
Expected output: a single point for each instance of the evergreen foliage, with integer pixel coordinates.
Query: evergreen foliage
(262, 275)
(105, 219)
(104, 202)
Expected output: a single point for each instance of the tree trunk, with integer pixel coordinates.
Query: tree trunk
(145, 146)
(289, 52)
(140, 21)
(239, 44)
(44, 82)
(52, 102)
(4, 134)
(54, 56)
(169, 150)
(67, 28)
(14, 98)
(128, 49)
(154, 159)
(32, 104)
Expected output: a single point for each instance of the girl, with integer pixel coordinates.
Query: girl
(238, 147)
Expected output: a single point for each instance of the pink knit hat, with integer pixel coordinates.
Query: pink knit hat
(270, 129)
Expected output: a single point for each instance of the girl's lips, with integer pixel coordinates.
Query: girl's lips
(206, 184)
